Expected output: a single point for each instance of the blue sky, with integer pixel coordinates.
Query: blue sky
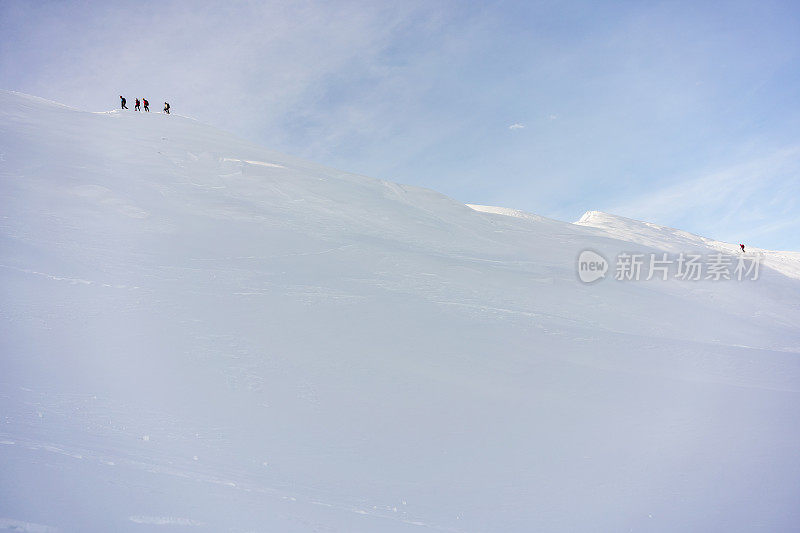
(680, 113)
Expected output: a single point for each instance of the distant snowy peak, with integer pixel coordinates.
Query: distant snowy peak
(676, 241)
(650, 234)
(591, 216)
(637, 230)
(655, 237)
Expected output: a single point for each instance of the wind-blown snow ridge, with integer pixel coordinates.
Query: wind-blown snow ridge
(504, 211)
(199, 333)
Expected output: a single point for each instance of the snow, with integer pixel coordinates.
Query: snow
(504, 211)
(201, 334)
(670, 239)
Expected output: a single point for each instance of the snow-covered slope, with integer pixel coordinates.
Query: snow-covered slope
(201, 334)
(674, 240)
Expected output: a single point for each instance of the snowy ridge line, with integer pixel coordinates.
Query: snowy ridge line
(39, 100)
(674, 240)
(505, 211)
(658, 237)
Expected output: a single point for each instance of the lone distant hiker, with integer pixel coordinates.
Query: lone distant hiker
(136, 107)
(742, 247)
(122, 101)
(146, 105)
(166, 108)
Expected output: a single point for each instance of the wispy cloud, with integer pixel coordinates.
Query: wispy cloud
(517, 126)
(755, 199)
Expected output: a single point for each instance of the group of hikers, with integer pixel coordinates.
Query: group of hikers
(138, 105)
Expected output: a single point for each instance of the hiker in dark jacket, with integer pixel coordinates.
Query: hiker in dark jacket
(146, 104)
(122, 101)
(166, 108)
(136, 107)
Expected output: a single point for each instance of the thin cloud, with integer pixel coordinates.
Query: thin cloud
(517, 126)
(755, 199)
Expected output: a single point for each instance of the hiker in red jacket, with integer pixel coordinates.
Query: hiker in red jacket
(136, 107)
(742, 247)
(146, 104)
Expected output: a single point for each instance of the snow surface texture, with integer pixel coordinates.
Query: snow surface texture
(199, 334)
